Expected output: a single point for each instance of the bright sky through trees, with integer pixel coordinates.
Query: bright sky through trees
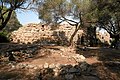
(26, 17)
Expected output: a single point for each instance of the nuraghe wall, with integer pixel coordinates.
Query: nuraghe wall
(35, 32)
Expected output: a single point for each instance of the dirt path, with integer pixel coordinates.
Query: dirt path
(58, 55)
(92, 60)
(54, 55)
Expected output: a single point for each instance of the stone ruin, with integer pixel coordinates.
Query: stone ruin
(81, 71)
(30, 33)
(33, 33)
(104, 37)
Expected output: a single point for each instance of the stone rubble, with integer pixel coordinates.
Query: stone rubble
(104, 37)
(33, 33)
(65, 72)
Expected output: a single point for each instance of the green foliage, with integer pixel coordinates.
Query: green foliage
(7, 7)
(106, 8)
(3, 37)
(3, 33)
(13, 23)
(49, 10)
(53, 11)
(105, 13)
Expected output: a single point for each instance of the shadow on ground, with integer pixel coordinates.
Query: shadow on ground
(109, 58)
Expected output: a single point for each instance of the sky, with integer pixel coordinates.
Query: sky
(26, 17)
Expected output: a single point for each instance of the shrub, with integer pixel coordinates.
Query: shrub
(3, 37)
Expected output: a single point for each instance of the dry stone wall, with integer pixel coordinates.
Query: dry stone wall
(32, 33)
(81, 71)
(68, 29)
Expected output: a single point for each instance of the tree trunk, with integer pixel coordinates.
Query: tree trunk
(73, 35)
(4, 23)
(114, 43)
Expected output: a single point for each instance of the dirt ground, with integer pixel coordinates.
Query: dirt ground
(106, 62)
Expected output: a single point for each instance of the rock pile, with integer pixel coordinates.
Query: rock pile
(81, 71)
(104, 38)
(69, 30)
(32, 33)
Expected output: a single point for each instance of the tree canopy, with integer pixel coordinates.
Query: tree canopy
(104, 13)
(72, 11)
(107, 13)
(13, 23)
(57, 10)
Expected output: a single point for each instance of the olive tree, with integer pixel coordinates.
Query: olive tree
(56, 11)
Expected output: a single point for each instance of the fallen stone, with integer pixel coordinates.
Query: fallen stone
(69, 76)
(82, 57)
(40, 66)
(56, 72)
(58, 65)
(52, 65)
(90, 78)
(46, 65)
(84, 66)
(72, 70)
(35, 68)
(30, 66)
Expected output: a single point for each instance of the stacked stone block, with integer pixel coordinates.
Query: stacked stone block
(32, 33)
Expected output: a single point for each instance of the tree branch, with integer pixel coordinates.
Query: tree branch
(112, 27)
(70, 20)
(27, 7)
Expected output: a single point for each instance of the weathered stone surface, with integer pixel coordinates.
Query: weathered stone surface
(52, 65)
(69, 76)
(90, 78)
(40, 66)
(84, 66)
(65, 72)
(105, 38)
(72, 70)
(33, 33)
(46, 65)
(56, 72)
